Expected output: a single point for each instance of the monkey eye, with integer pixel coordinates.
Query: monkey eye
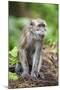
(43, 25)
(32, 23)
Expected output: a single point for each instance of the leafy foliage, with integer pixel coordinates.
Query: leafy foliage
(15, 29)
(13, 56)
(12, 76)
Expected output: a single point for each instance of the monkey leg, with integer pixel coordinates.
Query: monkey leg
(24, 62)
(36, 57)
(40, 74)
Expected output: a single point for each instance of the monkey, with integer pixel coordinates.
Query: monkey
(30, 48)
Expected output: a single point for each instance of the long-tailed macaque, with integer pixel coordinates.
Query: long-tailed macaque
(30, 48)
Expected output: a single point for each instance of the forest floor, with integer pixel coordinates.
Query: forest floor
(49, 69)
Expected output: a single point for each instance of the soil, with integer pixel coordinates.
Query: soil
(49, 71)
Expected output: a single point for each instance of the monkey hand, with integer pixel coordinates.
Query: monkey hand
(25, 75)
(37, 75)
(34, 75)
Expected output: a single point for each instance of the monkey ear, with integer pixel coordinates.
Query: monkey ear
(32, 23)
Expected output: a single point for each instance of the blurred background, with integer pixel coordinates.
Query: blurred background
(18, 16)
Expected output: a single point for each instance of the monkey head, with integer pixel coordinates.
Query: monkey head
(38, 28)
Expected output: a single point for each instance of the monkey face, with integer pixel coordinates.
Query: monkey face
(38, 28)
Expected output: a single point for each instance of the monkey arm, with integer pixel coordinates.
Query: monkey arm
(36, 59)
(40, 62)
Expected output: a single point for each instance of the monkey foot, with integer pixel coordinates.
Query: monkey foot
(41, 75)
(37, 75)
(34, 76)
(25, 76)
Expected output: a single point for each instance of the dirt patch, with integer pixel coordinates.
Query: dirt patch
(49, 69)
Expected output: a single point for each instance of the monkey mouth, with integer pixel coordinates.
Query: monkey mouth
(39, 37)
(42, 36)
(39, 34)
